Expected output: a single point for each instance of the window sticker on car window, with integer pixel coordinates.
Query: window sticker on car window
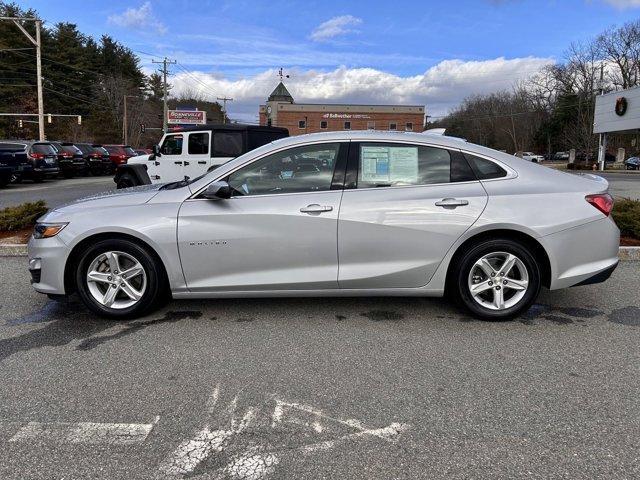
(389, 164)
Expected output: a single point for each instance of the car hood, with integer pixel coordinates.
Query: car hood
(113, 198)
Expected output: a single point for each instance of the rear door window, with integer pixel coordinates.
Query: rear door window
(198, 143)
(227, 144)
(392, 165)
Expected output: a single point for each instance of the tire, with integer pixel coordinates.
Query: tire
(523, 280)
(148, 286)
(126, 180)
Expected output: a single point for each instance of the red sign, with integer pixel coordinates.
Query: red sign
(186, 117)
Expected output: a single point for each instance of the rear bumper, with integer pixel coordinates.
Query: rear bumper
(582, 253)
(598, 277)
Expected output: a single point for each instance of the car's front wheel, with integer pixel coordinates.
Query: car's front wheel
(119, 279)
(496, 279)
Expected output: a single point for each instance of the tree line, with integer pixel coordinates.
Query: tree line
(81, 76)
(553, 109)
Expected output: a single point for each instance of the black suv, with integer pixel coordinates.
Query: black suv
(96, 157)
(41, 157)
(70, 159)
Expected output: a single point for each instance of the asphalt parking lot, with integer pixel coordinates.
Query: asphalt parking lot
(55, 192)
(321, 388)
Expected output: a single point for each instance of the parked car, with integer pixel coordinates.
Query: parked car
(386, 213)
(192, 151)
(632, 163)
(13, 163)
(41, 156)
(532, 157)
(561, 156)
(70, 159)
(143, 151)
(119, 154)
(97, 157)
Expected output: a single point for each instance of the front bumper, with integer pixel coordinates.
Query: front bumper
(47, 260)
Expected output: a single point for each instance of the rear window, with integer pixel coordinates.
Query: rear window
(130, 151)
(113, 149)
(485, 169)
(100, 150)
(227, 144)
(44, 148)
(71, 149)
(12, 146)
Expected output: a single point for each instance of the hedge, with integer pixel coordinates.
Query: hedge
(626, 213)
(22, 216)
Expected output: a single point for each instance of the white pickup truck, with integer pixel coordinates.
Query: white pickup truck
(192, 151)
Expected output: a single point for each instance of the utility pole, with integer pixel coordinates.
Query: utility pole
(224, 107)
(36, 41)
(125, 132)
(164, 88)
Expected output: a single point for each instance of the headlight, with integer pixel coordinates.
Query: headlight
(47, 230)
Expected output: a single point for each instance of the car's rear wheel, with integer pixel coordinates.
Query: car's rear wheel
(126, 181)
(496, 279)
(119, 279)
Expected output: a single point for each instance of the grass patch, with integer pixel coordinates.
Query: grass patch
(23, 216)
(626, 214)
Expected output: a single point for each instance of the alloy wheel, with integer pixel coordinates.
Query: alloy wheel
(498, 280)
(116, 280)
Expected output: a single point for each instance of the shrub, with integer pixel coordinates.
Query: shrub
(626, 213)
(22, 216)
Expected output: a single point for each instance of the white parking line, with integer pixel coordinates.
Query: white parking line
(85, 432)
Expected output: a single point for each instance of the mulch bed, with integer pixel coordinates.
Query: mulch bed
(15, 237)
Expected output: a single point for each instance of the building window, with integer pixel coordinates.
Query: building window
(393, 126)
(347, 125)
(409, 127)
(302, 124)
(371, 125)
(323, 124)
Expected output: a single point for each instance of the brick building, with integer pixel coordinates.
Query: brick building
(281, 111)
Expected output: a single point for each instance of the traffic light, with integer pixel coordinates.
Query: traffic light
(79, 119)
(143, 128)
(20, 123)
(49, 118)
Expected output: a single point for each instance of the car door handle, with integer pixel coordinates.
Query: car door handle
(202, 162)
(315, 208)
(178, 163)
(451, 202)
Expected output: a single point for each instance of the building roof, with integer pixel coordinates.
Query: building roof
(280, 94)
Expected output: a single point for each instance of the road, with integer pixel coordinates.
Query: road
(623, 185)
(328, 388)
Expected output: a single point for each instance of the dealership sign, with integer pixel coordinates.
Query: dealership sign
(186, 117)
(345, 115)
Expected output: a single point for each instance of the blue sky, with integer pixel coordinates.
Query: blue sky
(426, 52)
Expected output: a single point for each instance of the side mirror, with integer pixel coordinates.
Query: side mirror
(156, 151)
(217, 191)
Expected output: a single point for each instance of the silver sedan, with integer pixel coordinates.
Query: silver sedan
(336, 214)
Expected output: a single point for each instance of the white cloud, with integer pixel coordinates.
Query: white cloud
(624, 4)
(141, 17)
(335, 27)
(440, 88)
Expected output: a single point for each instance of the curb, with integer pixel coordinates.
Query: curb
(20, 250)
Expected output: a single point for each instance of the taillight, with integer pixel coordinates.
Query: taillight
(122, 157)
(67, 155)
(602, 201)
(36, 156)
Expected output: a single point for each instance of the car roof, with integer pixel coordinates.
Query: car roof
(226, 126)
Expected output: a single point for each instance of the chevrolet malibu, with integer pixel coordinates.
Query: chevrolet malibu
(336, 214)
